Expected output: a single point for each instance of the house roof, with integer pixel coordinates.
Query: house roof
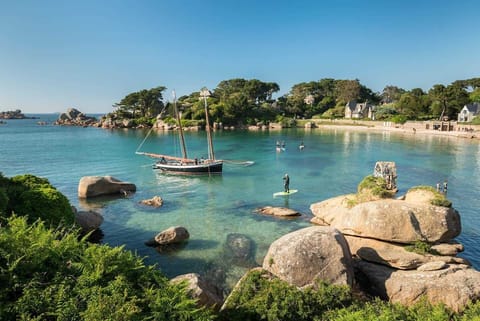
(473, 108)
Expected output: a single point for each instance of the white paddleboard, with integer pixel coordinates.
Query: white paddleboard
(292, 191)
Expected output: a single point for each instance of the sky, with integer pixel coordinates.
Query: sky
(89, 54)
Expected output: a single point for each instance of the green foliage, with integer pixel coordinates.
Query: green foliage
(475, 95)
(476, 121)
(441, 201)
(376, 186)
(143, 103)
(35, 198)
(399, 119)
(378, 310)
(51, 275)
(471, 313)
(335, 112)
(241, 101)
(146, 121)
(419, 247)
(259, 298)
(386, 111)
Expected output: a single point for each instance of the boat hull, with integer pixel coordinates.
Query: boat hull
(214, 167)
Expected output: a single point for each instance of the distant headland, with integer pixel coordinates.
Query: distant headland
(14, 114)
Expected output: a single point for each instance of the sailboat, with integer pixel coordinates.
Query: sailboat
(185, 165)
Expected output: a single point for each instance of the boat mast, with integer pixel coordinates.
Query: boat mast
(205, 93)
(180, 128)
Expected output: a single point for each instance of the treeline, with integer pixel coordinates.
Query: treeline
(49, 272)
(248, 102)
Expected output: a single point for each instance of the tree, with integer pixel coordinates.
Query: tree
(439, 97)
(243, 101)
(143, 103)
(347, 90)
(409, 105)
(391, 94)
(475, 95)
(457, 98)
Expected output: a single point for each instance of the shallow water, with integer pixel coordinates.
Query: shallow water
(332, 163)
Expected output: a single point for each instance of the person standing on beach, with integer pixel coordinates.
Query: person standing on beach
(286, 183)
(445, 187)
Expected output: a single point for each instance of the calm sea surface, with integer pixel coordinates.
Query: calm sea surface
(212, 208)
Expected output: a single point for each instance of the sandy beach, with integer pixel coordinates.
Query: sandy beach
(409, 128)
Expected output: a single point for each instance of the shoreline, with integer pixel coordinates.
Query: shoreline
(411, 131)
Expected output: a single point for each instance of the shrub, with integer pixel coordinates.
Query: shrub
(379, 310)
(399, 119)
(259, 298)
(419, 247)
(35, 198)
(376, 186)
(51, 275)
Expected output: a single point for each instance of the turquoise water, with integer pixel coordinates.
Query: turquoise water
(332, 163)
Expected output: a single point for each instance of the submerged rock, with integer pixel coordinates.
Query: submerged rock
(278, 211)
(88, 220)
(155, 201)
(239, 250)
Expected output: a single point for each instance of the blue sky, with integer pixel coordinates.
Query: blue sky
(89, 54)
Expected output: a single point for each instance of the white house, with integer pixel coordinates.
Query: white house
(359, 110)
(469, 112)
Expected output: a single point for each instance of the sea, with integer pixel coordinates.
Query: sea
(219, 211)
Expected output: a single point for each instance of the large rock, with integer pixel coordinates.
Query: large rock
(91, 186)
(390, 220)
(455, 286)
(310, 254)
(419, 196)
(206, 294)
(394, 255)
(326, 211)
(174, 234)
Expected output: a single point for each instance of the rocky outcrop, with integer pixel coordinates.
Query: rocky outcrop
(13, 114)
(74, 117)
(455, 285)
(92, 186)
(305, 256)
(395, 255)
(404, 248)
(206, 294)
(277, 211)
(390, 220)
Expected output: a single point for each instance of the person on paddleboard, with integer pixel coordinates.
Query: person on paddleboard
(286, 183)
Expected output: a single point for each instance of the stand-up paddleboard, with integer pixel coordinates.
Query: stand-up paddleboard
(292, 191)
